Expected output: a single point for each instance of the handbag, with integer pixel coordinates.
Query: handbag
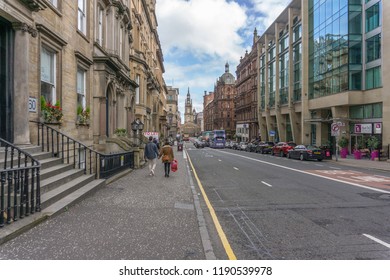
(165, 158)
(174, 165)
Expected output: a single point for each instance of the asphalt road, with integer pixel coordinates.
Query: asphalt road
(276, 208)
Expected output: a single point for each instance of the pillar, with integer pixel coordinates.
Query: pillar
(21, 80)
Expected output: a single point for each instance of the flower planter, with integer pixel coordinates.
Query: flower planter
(357, 154)
(374, 155)
(344, 152)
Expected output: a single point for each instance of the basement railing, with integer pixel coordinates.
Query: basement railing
(19, 184)
(80, 155)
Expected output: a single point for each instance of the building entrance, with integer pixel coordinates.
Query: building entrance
(6, 78)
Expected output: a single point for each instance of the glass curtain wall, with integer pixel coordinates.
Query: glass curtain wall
(272, 77)
(283, 70)
(373, 19)
(329, 45)
(297, 59)
(262, 81)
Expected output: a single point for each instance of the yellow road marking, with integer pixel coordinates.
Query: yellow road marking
(221, 233)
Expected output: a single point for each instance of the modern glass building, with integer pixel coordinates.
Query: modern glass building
(321, 62)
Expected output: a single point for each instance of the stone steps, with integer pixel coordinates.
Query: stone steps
(61, 186)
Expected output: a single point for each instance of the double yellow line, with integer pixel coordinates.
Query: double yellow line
(221, 233)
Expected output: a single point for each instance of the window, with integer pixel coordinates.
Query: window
(121, 42)
(297, 32)
(81, 100)
(100, 26)
(54, 3)
(137, 78)
(82, 16)
(367, 111)
(373, 78)
(373, 48)
(48, 75)
(373, 17)
(313, 135)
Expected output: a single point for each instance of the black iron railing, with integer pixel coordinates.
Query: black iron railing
(20, 184)
(80, 155)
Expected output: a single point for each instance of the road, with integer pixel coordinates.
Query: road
(276, 208)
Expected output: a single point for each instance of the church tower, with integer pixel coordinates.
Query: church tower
(188, 116)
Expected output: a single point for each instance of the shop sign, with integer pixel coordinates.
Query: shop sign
(378, 128)
(272, 133)
(153, 134)
(364, 128)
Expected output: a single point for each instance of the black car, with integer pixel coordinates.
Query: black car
(265, 147)
(234, 145)
(303, 152)
(252, 146)
(198, 144)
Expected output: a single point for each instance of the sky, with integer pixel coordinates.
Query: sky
(198, 37)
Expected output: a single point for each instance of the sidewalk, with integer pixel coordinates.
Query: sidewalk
(135, 217)
(363, 163)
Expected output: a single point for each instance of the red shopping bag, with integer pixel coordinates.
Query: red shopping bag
(174, 165)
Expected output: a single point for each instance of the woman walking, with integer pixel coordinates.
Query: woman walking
(167, 157)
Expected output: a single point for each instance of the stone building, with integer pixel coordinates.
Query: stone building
(147, 65)
(113, 87)
(322, 63)
(219, 113)
(173, 112)
(208, 111)
(247, 127)
(189, 126)
(99, 56)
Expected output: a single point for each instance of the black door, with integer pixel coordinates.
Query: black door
(6, 80)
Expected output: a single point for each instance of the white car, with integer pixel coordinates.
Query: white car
(242, 146)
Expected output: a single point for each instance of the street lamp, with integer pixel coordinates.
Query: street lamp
(137, 126)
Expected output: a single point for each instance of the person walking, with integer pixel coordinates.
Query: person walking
(151, 154)
(155, 141)
(166, 154)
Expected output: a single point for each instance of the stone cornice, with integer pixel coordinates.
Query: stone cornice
(85, 60)
(35, 5)
(26, 28)
(51, 35)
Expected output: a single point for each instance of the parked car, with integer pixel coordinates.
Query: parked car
(252, 146)
(303, 152)
(265, 147)
(198, 144)
(282, 148)
(242, 146)
(234, 145)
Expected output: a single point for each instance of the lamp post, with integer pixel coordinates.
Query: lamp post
(137, 126)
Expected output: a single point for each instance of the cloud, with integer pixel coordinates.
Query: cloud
(267, 11)
(199, 36)
(204, 28)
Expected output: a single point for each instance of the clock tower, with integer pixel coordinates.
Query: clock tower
(188, 115)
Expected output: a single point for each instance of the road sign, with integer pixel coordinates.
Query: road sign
(335, 129)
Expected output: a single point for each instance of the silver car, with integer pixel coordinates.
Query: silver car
(242, 146)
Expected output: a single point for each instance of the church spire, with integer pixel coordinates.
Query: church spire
(227, 67)
(255, 37)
